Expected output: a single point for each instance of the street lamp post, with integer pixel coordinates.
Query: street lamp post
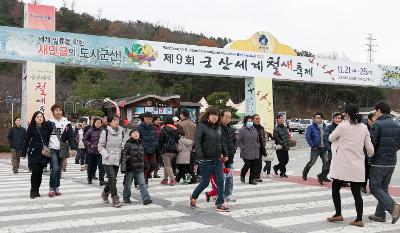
(12, 100)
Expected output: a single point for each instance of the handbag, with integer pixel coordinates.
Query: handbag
(64, 147)
(45, 150)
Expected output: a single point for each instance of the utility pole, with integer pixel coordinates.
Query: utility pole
(370, 47)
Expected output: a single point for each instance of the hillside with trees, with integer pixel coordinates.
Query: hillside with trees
(84, 84)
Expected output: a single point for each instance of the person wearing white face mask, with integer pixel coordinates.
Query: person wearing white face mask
(249, 145)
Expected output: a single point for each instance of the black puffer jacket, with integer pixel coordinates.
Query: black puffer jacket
(229, 142)
(385, 136)
(208, 142)
(281, 136)
(132, 156)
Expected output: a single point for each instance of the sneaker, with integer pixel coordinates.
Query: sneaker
(223, 208)
(242, 179)
(258, 180)
(57, 192)
(127, 201)
(376, 218)
(52, 193)
(164, 182)
(105, 195)
(304, 176)
(396, 213)
(147, 202)
(192, 202)
(208, 197)
(230, 198)
(15, 171)
(156, 176)
(102, 183)
(82, 168)
(89, 181)
(284, 176)
(172, 182)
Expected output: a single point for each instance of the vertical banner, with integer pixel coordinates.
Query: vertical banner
(250, 96)
(38, 78)
(264, 102)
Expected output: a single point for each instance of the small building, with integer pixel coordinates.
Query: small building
(132, 107)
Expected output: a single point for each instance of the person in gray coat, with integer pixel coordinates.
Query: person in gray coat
(249, 145)
(110, 147)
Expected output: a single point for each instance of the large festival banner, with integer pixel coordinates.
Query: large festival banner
(38, 78)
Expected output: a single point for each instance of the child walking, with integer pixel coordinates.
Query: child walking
(270, 148)
(132, 165)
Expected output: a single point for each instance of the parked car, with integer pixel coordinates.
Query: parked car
(294, 124)
(237, 126)
(327, 122)
(303, 125)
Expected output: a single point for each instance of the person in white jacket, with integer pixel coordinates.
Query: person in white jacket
(270, 148)
(110, 147)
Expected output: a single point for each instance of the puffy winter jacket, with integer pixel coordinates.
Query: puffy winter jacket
(385, 136)
(91, 140)
(184, 151)
(270, 148)
(132, 156)
(110, 146)
(148, 135)
(313, 135)
(208, 142)
(16, 137)
(249, 143)
(281, 136)
(261, 136)
(229, 142)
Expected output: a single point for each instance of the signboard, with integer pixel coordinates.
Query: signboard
(38, 78)
(153, 110)
(17, 44)
(139, 110)
(165, 110)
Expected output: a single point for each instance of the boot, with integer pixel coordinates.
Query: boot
(105, 195)
(32, 194)
(116, 202)
(101, 182)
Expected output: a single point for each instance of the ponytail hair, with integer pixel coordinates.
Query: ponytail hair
(353, 111)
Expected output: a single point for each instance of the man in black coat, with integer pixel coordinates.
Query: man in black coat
(261, 136)
(281, 136)
(385, 136)
(229, 146)
(16, 138)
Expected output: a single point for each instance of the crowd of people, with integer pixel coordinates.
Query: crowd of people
(353, 153)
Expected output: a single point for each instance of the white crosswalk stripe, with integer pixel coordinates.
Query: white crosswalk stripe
(272, 204)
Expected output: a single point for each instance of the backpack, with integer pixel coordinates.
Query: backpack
(106, 130)
(171, 144)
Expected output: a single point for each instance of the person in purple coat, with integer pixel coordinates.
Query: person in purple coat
(91, 140)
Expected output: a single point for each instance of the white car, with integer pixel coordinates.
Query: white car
(303, 125)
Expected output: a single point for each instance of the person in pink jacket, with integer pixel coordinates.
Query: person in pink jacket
(348, 141)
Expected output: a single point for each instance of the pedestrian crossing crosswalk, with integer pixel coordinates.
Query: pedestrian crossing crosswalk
(271, 206)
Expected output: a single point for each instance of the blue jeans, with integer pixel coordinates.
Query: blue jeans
(55, 169)
(206, 168)
(129, 176)
(229, 180)
(320, 152)
(379, 180)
